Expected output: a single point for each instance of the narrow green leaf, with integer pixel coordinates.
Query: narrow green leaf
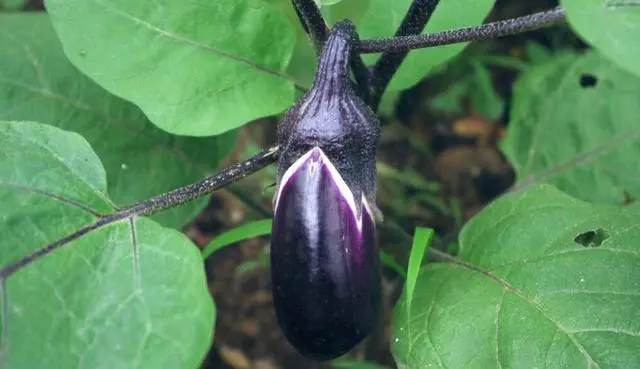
(383, 17)
(528, 292)
(421, 240)
(322, 3)
(408, 177)
(37, 83)
(611, 26)
(574, 123)
(355, 364)
(245, 231)
(390, 262)
(195, 68)
(127, 294)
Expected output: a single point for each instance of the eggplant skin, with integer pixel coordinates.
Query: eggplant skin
(324, 261)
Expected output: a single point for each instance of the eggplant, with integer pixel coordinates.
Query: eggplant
(324, 259)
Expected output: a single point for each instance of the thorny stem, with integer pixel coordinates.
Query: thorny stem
(413, 23)
(317, 29)
(161, 202)
(484, 32)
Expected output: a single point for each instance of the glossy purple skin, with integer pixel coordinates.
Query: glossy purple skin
(325, 269)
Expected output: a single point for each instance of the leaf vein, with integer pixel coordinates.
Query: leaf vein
(180, 39)
(53, 196)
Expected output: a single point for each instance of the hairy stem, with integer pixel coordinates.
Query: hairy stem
(204, 187)
(312, 22)
(413, 23)
(484, 32)
(317, 29)
(156, 204)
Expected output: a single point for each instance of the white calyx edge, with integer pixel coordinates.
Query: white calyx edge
(342, 185)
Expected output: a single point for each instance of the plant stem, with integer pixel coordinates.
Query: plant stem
(413, 23)
(204, 187)
(318, 30)
(486, 31)
(312, 22)
(156, 204)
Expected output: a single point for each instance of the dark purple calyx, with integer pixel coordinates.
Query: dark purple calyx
(324, 258)
(333, 117)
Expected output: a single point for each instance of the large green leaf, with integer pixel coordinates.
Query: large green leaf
(612, 26)
(127, 294)
(383, 17)
(574, 123)
(12, 4)
(196, 67)
(38, 83)
(546, 281)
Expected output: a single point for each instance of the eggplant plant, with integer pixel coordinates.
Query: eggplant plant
(105, 104)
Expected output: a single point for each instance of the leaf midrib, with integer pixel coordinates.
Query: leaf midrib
(506, 285)
(180, 39)
(54, 196)
(95, 191)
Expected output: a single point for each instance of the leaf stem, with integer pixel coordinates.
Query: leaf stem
(156, 204)
(486, 31)
(413, 23)
(206, 186)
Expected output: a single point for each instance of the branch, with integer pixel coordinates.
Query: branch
(312, 22)
(159, 203)
(205, 186)
(484, 32)
(317, 29)
(413, 23)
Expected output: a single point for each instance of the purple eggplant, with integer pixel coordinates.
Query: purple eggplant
(324, 258)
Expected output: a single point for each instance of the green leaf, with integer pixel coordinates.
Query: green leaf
(526, 294)
(353, 10)
(195, 68)
(304, 60)
(38, 83)
(536, 52)
(354, 364)
(486, 101)
(477, 86)
(392, 264)
(611, 26)
(384, 16)
(125, 294)
(574, 123)
(421, 239)
(321, 3)
(245, 231)
(12, 4)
